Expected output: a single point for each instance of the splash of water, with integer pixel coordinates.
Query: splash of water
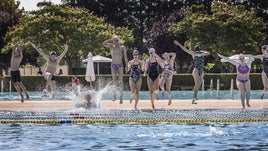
(80, 95)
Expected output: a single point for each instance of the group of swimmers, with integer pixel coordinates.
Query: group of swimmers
(150, 68)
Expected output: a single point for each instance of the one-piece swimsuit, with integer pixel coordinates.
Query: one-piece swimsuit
(265, 66)
(135, 72)
(199, 64)
(153, 71)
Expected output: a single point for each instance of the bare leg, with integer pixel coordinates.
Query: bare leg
(151, 90)
(247, 89)
(114, 82)
(265, 84)
(132, 85)
(121, 84)
(156, 87)
(198, 79)
(23, 89)
(168, 88)
(53, 88)
(241, 88)
(162, 84)
(138, 87)
(17, 87)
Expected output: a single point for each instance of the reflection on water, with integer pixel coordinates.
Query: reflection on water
(131, 136)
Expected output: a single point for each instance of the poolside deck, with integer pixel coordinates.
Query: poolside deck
(143, 104)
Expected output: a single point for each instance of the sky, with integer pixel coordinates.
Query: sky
(30, 5)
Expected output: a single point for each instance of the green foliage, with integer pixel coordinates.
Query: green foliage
(228, 30)
(54, 25)
(37, 83)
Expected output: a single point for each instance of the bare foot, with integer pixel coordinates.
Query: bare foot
(193, 101)
(169, 102)
(262, 96)
(157, 96)
(121, 100)
(22, 101)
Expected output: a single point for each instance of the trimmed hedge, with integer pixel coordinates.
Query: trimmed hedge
(37, 83)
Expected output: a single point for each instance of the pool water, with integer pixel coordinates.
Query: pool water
(144, 95)
(133, 136)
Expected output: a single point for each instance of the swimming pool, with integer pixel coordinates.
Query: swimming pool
(133, 136)
(144, 95)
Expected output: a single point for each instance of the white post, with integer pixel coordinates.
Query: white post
(203, 85)
(218, 89)
(232, 89)
(9, 87)
(211, 84)
(2, 86)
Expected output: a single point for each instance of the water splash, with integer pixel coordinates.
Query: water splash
(84, 96)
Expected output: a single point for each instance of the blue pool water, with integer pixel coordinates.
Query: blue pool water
(144, 95)
(132, 136)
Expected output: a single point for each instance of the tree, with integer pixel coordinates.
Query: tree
(52, 26)
(228, 30)
(9, 16)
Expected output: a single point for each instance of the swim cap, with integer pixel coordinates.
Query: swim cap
(241, 56)
(151, 50)
(89, 54)
(197, 48)
(53, 53)
(264, 47)
(136, 52)
(117, 37)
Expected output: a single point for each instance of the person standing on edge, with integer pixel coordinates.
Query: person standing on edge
(264, 75)
(243, 66)
(135, 66)
(198, 72)
(166, 77)
(117, 67)
(16, 58)
(152, 67)
(52, 62)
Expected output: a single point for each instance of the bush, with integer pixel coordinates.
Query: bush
(37, 83)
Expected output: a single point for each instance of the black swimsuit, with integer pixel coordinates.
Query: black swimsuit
(265, 66)
(153, 70)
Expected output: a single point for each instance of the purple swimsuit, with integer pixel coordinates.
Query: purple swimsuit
(243, 70)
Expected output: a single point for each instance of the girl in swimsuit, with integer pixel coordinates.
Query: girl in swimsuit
(135, 66)
(264, 58)
(243, 67)
(166, 78)
(152, 70)
(198, 72)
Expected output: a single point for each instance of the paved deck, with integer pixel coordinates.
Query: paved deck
(143, 104)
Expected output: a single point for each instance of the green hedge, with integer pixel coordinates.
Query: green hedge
(37, 83)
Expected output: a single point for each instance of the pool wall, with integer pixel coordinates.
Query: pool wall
(180, 81)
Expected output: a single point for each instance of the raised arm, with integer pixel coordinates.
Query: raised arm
(228, 59)
(173, 56)
(108, 43)
(63, 53)
(159, 60)
(40, 52)
(183, 48)
(205, 53)
(250, 57)
(258, 57)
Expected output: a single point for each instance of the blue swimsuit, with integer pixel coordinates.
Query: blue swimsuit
(167, 70)
(135, 72)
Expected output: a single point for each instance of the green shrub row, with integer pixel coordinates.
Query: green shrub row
(37, 83)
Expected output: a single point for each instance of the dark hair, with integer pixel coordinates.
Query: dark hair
(197, 48)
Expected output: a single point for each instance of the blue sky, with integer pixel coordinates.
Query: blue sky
(31, 4)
